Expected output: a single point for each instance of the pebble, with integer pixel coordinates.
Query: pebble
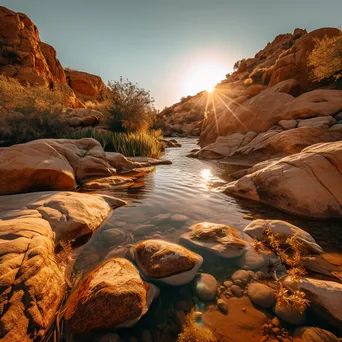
(240, 276)
(236, 291)
(228, 284)
(179, 218)
(205, 286)
(261, 295)
(221, 304)
(144, 229)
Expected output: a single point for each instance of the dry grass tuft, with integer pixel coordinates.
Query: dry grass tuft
(193, 332)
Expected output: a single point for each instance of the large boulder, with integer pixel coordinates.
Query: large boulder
(51, 164)
(282, 230)
(325, 296)
(110, 297)
(32, 285)
(308, 183)
(87, 87)
(165, 262)
(70, 214)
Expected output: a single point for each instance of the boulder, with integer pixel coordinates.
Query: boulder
(283, 230)
(218, 239)
(51, 164)
(87, 87)
(84, 117)
(164, 262)
(308, 183)
(261, 295)
(32, 285)
(114, 284)
(288, 124)
(319, 122)
(205, 286)
(123, 164)
(240, 276)
(275, 144)
(313, 334)
(325, 297)
(70, 214)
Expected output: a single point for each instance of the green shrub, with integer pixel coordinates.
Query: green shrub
(28, 113)
(145, 144)
(131, 108)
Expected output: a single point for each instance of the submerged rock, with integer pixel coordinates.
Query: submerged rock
(205, 286)
(110, 297)
(165, 262)
(218, 239)
(283, 230)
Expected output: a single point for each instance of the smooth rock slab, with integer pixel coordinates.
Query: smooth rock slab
(51, 164)
(165, 262)
(283, 230)
(308, 183)
(110, 297)
(326, 295)
(70, 214)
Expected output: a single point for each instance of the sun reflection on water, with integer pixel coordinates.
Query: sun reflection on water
(206, 176)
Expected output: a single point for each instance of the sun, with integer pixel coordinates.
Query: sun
(203, 77)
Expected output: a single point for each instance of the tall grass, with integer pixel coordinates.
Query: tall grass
(145, 144)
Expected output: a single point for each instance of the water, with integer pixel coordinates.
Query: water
(187, 188)
(172, 198)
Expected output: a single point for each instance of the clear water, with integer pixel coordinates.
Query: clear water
(187, 187)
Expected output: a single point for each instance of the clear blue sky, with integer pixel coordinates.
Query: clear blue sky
(155, 42)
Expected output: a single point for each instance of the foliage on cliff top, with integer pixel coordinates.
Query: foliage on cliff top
(326, 58)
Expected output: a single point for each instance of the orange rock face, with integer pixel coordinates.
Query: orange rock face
(23, 56)
(87, 87)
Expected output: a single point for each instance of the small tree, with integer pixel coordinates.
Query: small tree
(326, 59)
(131, 107)
(238, 63)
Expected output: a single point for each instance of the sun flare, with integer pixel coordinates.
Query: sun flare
(203, 77)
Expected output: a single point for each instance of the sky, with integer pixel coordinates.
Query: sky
(168, 46)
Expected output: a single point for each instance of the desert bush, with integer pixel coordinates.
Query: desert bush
(326, 59)
(141, 143)
(28, 113)
(292, 258)
(238, 63)
(131, 107)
